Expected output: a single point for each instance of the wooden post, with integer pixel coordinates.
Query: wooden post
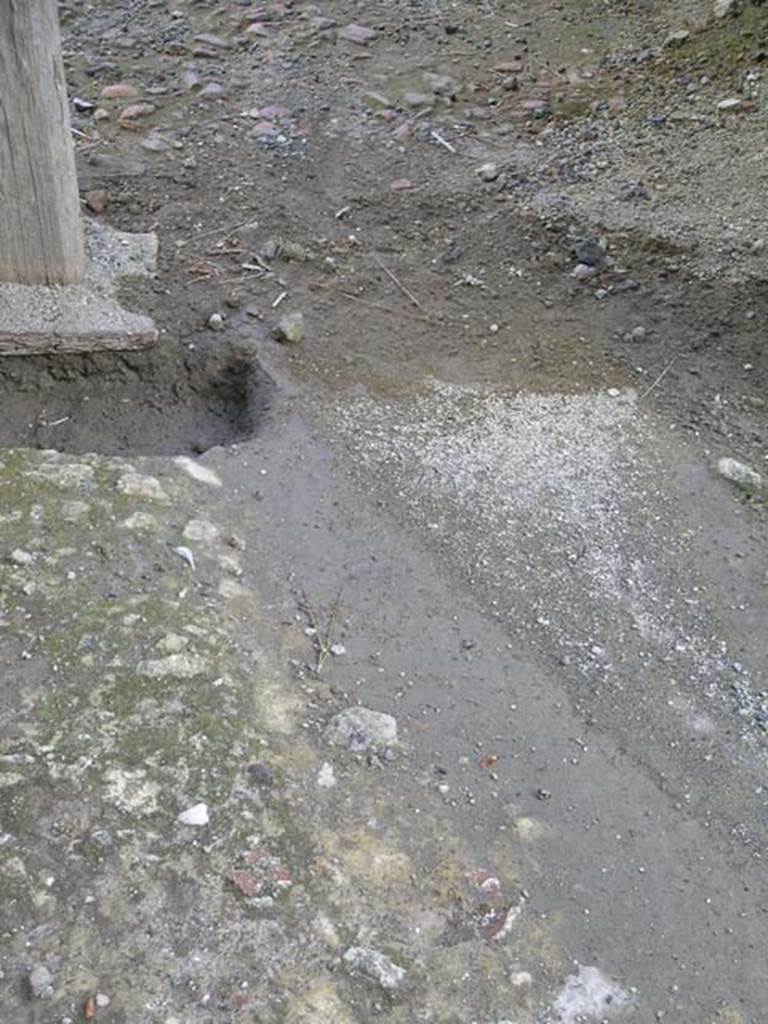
(41, 235)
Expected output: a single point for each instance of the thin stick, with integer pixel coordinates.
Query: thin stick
(443, 142)
(327, 642)
(659, 379)
(404, 312)
(546, 67)
(322, 642)
(386, 309)
(215, 231)
(399, 284)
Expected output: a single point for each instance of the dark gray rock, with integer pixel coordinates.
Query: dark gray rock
(589, 251)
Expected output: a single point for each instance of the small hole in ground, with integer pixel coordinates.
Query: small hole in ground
(161, 401)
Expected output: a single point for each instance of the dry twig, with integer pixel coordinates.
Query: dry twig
(399, 284)
(322, 639)
(659, 379)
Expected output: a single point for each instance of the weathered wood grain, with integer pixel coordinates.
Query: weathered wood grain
(41, 235)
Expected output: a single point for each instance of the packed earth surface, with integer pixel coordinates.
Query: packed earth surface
(388, 641)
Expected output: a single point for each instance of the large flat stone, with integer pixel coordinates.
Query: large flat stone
(84, 317)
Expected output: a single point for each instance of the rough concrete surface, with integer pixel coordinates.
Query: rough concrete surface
(84, 317)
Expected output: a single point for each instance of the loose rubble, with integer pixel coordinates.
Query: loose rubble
(738, 473)
(41, 982)
(360, 730)
(374, 966)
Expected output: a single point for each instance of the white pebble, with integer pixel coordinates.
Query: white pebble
(200, 473)
(197, 815)
(19, 557)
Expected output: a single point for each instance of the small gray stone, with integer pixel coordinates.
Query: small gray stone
(417, 99)
(360, 34)
(271, 249)
(722, 8)
(374, 966)
(675, 39)
(216, 322)
(290, 329)
(213, 91)
(738, 473)
(376, 101)
(20, 557)
(589, 251)
(488, 172)
(360, 729)
(582, 272)
(40, 982)
(441, 85)
(639, 334)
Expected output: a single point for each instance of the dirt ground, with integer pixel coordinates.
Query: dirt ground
(478, 494)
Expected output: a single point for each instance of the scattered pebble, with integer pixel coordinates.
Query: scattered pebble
(374, 966)
(587, 995)
(636, 334)
(359, 34)
(197, 815)
(201, 531)
(326, 777)
(186, 555)
(41, 982)
(290, 328)
(675, 39)
(96, 200)
(417, 99)
(119, 91)
(175, 666)
(137, 486)
(739, 473)
(488, 172)
(589, 251)
(19, 557)
(441, 85)
(202, 474)
(360, 729)
(213, 91)
(217, 42)
(521, 979)
(582, 272)
(216, 322)
(134, 111)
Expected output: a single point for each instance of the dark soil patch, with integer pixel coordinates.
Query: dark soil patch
(162, 401)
